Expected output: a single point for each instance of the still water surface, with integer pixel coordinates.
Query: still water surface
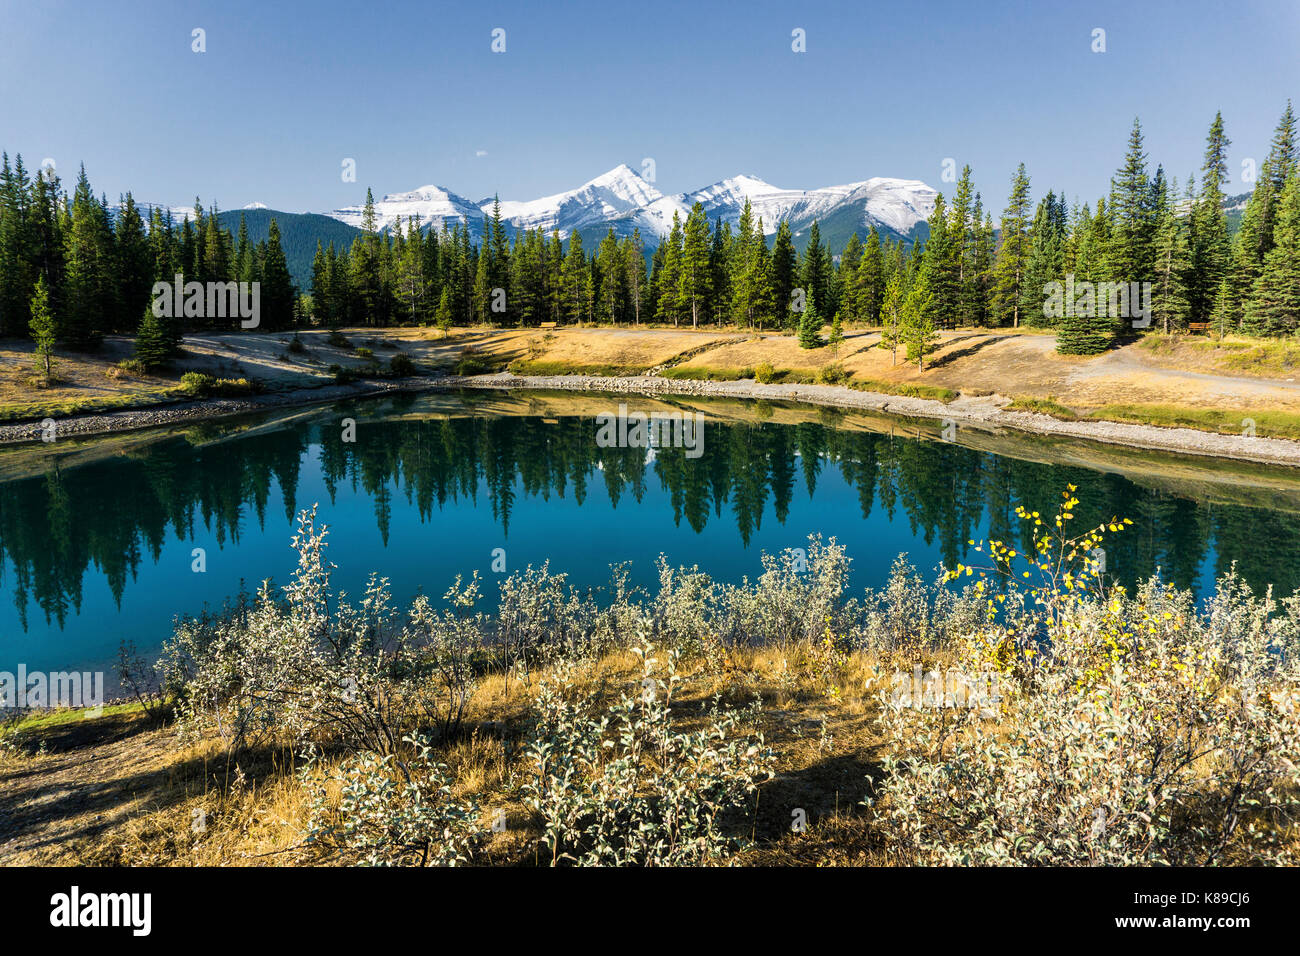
(97, 538)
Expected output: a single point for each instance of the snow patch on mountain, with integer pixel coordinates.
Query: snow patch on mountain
(432, 204)
(614, 195)
(623, 199)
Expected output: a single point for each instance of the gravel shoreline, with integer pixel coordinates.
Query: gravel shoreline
(985, 411)
(133, 419)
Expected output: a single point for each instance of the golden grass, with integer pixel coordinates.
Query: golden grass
(254, 809)
(1266, 423)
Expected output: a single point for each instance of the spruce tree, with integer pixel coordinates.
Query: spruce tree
(669, 276)
(43, 329)
(837, 335)
(133, 270)
(152, 344)
(575, 280)
(16, 278)
(1169, 291)
(784, 277)
(1131, 215)
(320, 290)
(945, 268)
(91, 290)
(696, 281)
(891, 315)
(1274, 303)
(810, 326)
(868, 284)
(916, 320)
(277, 291)
(814, 270)
(1210, 251)
(1013, 253)
(963, 223)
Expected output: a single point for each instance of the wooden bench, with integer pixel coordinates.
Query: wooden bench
(546, 325)
(1198, 328)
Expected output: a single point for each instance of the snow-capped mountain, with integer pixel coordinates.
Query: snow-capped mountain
(624, 200)
(615, 195)
(891, 205)
(432, 204)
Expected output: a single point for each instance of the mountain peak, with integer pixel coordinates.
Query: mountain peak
(621, 198)
(620, 173)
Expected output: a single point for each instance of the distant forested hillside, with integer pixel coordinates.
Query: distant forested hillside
(298, 234)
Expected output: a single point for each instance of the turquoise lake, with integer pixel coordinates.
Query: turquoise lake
(97, 536)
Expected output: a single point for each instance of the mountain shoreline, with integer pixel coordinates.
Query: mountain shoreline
(982, 412)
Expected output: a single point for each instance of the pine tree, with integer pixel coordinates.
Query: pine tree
(153, 346)
(891, 315)
(575, 281)
(1210, 251)
(810, 326)
(634, 270)
(837, 335)
(1131, 215)
(1169, 291)
(1013, 253)
(916, 320)
(814, 270)
(277, 291)
(696, 281)
(783, 273)
(43, 328)
(1274, 303)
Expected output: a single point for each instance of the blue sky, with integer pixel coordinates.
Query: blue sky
(413, 93)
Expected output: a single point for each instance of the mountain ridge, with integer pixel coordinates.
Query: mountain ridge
(621, 198)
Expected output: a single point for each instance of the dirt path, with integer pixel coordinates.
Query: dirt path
(1131, 362)
(96, 775)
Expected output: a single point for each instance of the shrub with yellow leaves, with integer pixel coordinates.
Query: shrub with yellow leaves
(1132, 729)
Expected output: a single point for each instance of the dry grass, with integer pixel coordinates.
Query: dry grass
(1183, 373)
(119, 789)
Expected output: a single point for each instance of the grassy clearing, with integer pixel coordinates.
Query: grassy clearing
(1043, 406)
(906, 389)
(597, 369)
(1234, 353)
(1236, 421)
(701, 373)
(831, 374)
(146, 398)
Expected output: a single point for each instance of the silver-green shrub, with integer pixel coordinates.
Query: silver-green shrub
(1135, 731)
(618, 784)
(390, 811)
